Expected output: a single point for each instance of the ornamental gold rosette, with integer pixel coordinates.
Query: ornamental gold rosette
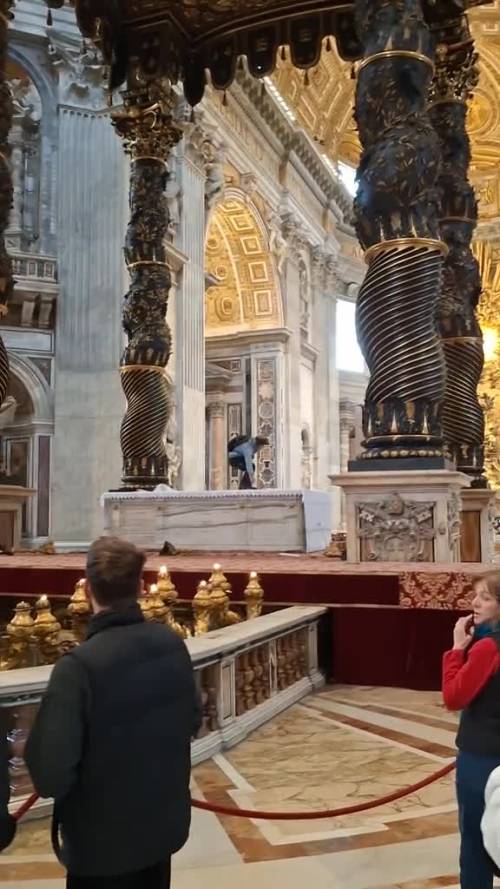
(146, 124)
(463, 420)
(397, 223)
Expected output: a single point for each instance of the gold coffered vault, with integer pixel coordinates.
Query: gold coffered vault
(149, 45)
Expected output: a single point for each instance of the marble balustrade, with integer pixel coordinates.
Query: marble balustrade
(246, 674)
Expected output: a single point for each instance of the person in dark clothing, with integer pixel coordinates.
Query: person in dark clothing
(471, 683)
(112, 740)
(242, 451)
(7, 823)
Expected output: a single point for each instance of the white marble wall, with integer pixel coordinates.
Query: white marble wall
(91, 219)
(189, 343)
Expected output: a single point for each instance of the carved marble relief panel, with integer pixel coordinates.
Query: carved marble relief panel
(266, 388)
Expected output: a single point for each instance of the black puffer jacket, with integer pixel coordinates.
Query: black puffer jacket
(7, 823)
(111, 744)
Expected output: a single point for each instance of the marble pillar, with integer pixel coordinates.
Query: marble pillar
(346, 428)
(190, 320)
(218, 449)
(347, 424)
(16, 140)
(293, 425)
(6, 279)
(91, 214)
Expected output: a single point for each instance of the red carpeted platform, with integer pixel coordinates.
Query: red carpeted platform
(389, 623)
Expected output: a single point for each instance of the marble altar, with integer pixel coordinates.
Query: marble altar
(266, 520)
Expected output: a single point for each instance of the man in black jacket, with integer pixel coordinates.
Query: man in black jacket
(111, 743)
(7, 823)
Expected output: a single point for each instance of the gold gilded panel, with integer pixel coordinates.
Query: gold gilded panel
(237, 256)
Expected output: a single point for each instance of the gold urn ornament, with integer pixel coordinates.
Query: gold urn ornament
(254, 596)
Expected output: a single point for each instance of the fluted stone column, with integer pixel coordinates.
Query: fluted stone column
(6, 280)
(91, 213)
(218, 445)
(190, 319)
(16, 138)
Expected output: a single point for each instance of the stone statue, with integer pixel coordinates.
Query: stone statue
(214, 170)
(242, 451)
(304, 297)
(173, 200)
(277, 243)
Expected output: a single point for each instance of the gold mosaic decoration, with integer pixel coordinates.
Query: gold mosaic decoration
(247, 293)
(488, 257)
(322, 101)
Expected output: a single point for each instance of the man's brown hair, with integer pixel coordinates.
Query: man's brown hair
(114, 569)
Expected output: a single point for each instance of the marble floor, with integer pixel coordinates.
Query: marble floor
(342, 746)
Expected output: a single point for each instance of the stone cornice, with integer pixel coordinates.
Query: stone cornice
(296, 140)
(265, 336)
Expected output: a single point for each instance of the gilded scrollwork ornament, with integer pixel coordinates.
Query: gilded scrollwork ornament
(148, 126)
(397, 222)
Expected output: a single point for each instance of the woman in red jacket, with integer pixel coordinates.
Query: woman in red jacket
(471, 683)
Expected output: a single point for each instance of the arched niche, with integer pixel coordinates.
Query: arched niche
(243, 291)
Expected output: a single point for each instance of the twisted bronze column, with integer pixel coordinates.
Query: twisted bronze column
(149, 131)
(397, 223)
(463, 420)
(6, 279)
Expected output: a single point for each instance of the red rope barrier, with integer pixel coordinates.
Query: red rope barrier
(293, 816)
(329, 813)
(26, 806)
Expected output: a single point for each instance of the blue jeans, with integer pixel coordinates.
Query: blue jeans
(476, 871)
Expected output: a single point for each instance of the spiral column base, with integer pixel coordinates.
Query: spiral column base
(142, 436)
(463, 418)
(396, 331)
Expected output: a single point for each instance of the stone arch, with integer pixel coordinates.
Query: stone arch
(243, 290)
(36, 386)
(43, 83)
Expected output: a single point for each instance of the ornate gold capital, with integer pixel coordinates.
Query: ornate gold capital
(456, 75)
(147, 121)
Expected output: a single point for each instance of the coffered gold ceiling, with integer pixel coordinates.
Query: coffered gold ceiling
(323, 99)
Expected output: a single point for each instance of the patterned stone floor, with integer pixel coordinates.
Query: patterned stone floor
(342, 746)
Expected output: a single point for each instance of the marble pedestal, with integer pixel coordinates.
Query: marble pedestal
(12, 500)
(477, 533)
(403, 516)
(265, 520)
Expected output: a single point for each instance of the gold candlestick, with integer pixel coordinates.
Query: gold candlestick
(202, 609)
(254, 595)
(19, 633)
(46, 630)
(152, 606)
(169, 595)
(79, 611)
(220, 589)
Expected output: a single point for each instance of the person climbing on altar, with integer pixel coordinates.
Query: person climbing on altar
(242, 451)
